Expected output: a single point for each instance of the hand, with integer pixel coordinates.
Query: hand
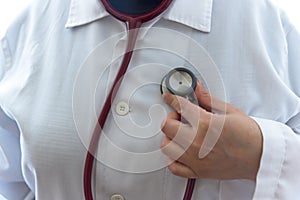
(215, 140)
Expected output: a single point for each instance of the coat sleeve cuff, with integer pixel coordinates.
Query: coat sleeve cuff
(273, 156)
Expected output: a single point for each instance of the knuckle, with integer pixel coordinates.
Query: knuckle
(164, 125)
(172, 115)
(173, 169)
(164, 145)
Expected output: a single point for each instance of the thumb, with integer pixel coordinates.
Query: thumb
(209, 102)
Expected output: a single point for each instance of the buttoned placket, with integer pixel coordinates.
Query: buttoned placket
(121, 106)
(118, 53)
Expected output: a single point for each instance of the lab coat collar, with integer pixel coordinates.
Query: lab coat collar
(192, 13)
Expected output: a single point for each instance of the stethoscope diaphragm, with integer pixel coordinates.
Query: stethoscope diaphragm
(179, 81)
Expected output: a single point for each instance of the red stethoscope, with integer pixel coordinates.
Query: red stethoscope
(133, 23)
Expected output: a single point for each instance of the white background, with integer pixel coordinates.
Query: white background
(9, 9)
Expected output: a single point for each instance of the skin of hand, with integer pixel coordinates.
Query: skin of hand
(232, 151)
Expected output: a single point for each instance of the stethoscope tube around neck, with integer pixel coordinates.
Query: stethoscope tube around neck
(133, 24)
(133, 32)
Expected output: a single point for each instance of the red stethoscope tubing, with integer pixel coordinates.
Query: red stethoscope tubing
(133, 24)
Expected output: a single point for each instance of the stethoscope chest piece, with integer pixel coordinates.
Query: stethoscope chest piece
(179, 81)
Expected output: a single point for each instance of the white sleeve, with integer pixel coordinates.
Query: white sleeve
(279, 174)
(12, 185)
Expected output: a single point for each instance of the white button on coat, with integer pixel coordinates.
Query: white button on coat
(122, 108)
(117, 197)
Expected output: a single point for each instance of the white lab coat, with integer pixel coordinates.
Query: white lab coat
(55, 72)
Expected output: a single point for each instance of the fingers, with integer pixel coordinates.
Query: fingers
(185, 108)
(174, 116)
(180, 159)
(181, 133)
(209, 102)
(179, 169)
(173, 150)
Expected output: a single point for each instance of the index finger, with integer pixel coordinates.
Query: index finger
(185, 108)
